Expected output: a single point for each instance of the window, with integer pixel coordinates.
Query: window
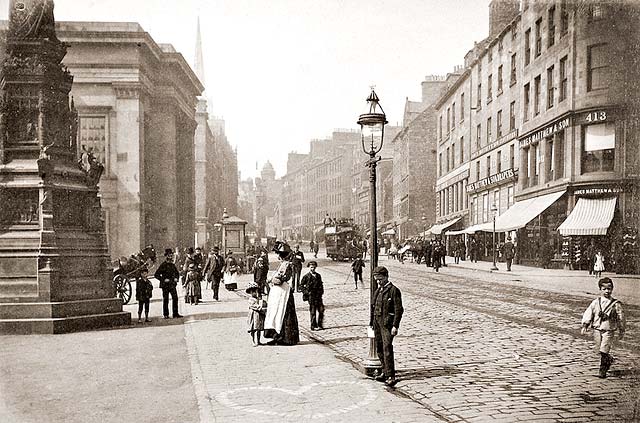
(485, 207)
(478, 170)
(538, 37)
(513, 69)
(93, 136)
(499, 79)
(598, 150)
(499, 124)
(489, 88)
(474, 210)
(597, 67)
(510, 195)
(490, 54)
(536, 96)
(496, 201)
(448, 162)
(448, 121)
(525, 107)
(550, 87)
(514, 32)
(453, 155)
(461, 107)
(488, 130)
(499, 162)
(564, 82)
(461, 150)
(512, 156)
(500, 46)
(488, 166)
(478, 136)
(440, 127)
(439, 164)
(551, 27)
(595, 12)
(558, 155)
(527, 47)
(479, 102)
(564, 18)
(512, 116)
(453, 115)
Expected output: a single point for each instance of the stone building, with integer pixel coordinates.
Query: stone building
(549, 136)
(414, 174)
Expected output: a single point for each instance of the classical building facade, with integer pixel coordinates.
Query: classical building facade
(546, 132)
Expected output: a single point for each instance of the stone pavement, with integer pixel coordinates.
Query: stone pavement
(236, 382)
(471, 349)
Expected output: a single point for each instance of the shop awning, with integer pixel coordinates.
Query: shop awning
(590, 216)
(389, 232)
(437, 229)
(486, 227)
(523, 212)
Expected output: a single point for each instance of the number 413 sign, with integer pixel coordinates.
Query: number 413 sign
(597, 116)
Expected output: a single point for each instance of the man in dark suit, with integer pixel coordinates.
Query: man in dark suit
(386, 313)
(296, 260)
(168, 275)
(312, 291)
(508, 251)
(213, 270)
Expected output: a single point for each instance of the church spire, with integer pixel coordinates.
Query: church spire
(199, 61)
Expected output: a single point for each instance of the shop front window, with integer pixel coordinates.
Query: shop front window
(598, 148)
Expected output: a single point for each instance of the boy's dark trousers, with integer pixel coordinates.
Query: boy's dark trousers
(316, 308)
(215, 285)
(295, 279)
(605, 363)
(384, 346)
(165, 301)
(356, 276)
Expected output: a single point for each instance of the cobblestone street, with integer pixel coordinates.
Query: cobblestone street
(474, 348)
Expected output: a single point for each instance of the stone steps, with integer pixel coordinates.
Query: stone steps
(64, 324)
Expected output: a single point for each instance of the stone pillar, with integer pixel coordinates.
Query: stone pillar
(202, 176)
(185, 154)
(127, 168)
(161, 196)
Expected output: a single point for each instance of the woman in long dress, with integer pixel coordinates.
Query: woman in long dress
(281, 315)
(230, 272)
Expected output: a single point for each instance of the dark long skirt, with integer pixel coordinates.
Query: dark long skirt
(290, 334)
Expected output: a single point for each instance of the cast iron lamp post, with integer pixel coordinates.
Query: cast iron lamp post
(372, 131)
(494, 211)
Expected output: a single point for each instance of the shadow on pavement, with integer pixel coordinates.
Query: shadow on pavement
(426, 373)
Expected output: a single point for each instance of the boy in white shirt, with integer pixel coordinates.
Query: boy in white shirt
(605, 316)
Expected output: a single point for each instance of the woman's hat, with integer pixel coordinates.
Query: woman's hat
(168, 252)
(252, 285)
(281, 248)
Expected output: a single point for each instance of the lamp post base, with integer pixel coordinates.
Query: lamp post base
(372, 363)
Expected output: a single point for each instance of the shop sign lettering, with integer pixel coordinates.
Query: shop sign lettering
(546, 132)
(493, 179)
(594, 117)
(598, 191)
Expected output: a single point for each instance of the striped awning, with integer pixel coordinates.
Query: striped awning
(518, 215)
(437, 229)
(590, 216)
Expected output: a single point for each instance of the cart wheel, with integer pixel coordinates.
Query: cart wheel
(123, 288)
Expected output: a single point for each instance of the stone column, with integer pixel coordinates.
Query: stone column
(128, 142)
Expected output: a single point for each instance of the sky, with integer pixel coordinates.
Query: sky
(284, 72)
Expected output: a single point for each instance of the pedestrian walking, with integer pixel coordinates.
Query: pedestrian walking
(457, 251)
(312, 291)
(473, 250)
(436, 256)
(386, 313)
(508, 251)
(191, 282)
(296, 260)
(606, 316)
(144, 292)
(168, 275)
(365, 246)
(316, 247)
(230, 272)
(357, 266)
(213, 270)
(598, 266)
(257, 310)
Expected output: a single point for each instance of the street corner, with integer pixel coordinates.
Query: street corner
(313, 401)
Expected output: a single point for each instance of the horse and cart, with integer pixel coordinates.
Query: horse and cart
(127, 269)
